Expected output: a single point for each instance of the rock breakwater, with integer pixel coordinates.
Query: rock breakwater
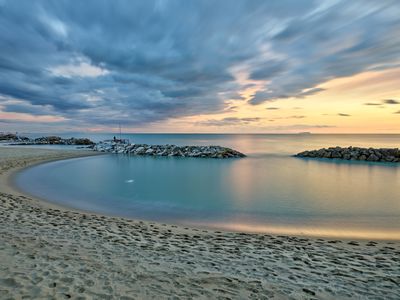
(355, 153)
(11, 138)
(50, 140)
(169, 150)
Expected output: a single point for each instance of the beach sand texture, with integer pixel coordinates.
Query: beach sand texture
(48, 252)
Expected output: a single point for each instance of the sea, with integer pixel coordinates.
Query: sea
(269, 191)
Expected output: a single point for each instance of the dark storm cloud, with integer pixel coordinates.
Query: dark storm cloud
(135, 62)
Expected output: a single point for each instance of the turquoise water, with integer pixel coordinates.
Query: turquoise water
(269, 191)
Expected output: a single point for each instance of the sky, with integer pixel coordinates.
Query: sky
(253, 66)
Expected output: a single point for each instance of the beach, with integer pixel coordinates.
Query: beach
(49, 252)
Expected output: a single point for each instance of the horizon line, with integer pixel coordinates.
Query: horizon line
(210, 133)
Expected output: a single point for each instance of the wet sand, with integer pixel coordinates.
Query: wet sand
(49, 252)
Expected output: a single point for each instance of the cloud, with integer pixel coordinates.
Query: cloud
(296, 117)
(132, 62)
(262, 96)
(268, 70)
(229, 121)
(391, 101)
(298, 127)
(385, 101)
(335, 41)
(397, 112)
(309, 92)
(372, 104)
(36, 110)
(343, 115)
(291, 117)
(272, 108)
(81, 69)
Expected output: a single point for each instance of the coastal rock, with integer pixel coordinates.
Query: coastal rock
(138, 151)
(12, 138)
(167, 150)
(45, 140)
(149, 151)
(362, 157)
(355, 153)
(373, 157)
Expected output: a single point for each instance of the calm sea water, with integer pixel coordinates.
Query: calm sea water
(269, 191)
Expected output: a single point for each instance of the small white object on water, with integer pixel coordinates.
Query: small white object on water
(129, 181)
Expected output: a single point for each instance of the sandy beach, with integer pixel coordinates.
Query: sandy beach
(49, 252)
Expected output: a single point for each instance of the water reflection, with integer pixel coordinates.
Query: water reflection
(259, 194)
(269, 191)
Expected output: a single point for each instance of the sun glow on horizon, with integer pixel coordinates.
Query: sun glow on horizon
(344, 106)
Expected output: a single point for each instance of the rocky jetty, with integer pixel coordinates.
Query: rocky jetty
(355, 153)
(56, 140)
(50, 140)
(168, 150)
(12, 138)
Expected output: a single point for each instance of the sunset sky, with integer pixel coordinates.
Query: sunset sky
(200, 66)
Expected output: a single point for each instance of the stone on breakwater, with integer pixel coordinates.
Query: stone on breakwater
(355, 153)
(168, 150)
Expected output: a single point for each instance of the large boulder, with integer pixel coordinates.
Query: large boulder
(373, 157)
(139, 151)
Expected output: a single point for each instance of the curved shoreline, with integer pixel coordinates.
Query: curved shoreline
(304, 231)
(7, 178)
(52, 252)
(11, 183)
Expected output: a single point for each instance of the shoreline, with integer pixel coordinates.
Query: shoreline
(309, 231)
(7, 178)
(13, 188)
(48, 250)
